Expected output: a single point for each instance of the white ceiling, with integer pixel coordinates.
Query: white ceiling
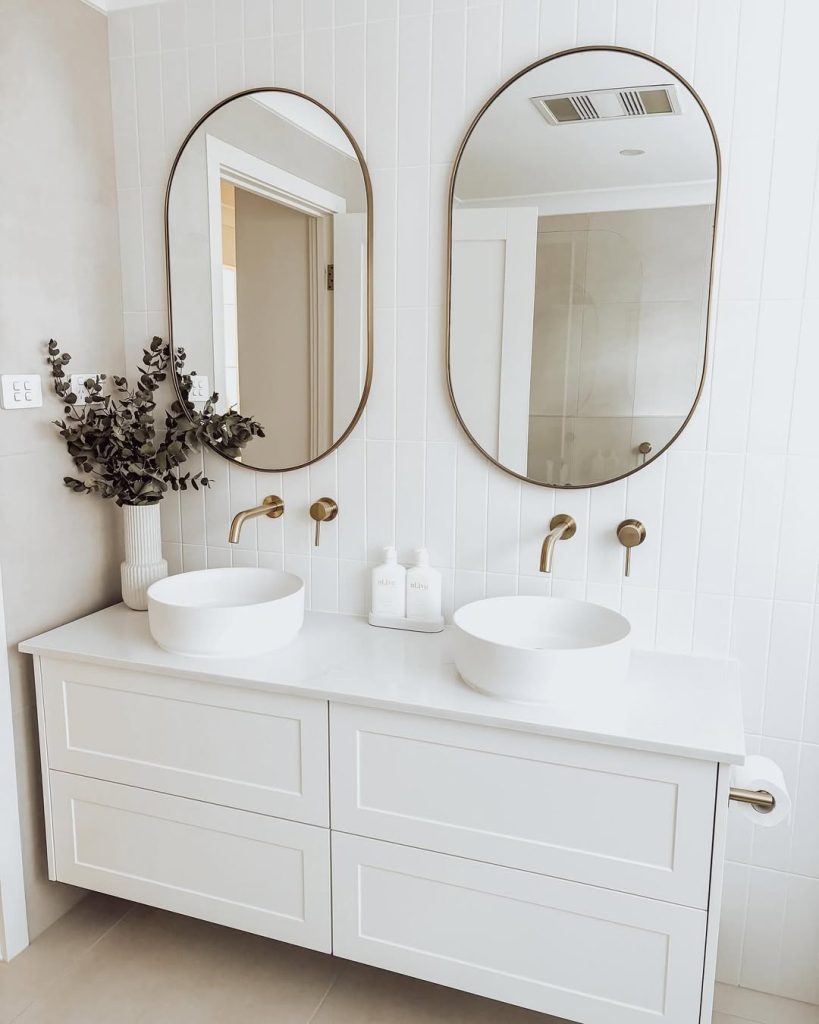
(515, 152)
(308, 117)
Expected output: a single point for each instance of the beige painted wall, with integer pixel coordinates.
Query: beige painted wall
(60, 276)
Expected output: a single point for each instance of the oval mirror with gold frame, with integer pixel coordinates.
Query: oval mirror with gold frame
(582, 219)
(268, 228)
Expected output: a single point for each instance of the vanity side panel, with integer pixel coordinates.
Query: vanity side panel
(721, 811)
(628, 820)
(227, 745)
(44, 767)
(248, 871)
(558, 947)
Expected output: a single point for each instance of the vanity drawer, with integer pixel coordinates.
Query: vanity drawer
(227, 745)
(628, 820)
(559, 947)
(247, 871)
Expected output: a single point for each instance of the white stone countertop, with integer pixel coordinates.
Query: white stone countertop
(669, 703)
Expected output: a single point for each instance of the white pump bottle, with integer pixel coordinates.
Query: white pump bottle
(389, 586)
(423, 589)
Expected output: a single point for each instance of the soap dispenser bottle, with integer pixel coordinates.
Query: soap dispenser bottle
(423, 589)
(389, 586)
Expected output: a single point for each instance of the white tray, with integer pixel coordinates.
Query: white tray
(398, 622)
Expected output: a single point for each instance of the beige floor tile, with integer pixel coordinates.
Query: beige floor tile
(55, 952)
(109, 962)
(160, 968)
(761, 1007)
(364, 995)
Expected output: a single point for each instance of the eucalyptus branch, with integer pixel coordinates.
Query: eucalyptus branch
(113, 439)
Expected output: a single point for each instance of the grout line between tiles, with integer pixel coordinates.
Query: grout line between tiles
(326, 995)
(774, 871)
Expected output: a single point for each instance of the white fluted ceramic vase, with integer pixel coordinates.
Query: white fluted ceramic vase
(143, 563)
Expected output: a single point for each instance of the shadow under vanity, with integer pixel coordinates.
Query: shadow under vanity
(553, 834)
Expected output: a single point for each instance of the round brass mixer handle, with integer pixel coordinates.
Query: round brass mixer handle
(631, 533)
(324, 510)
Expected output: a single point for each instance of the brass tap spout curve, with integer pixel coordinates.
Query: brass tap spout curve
(272, 506)
(561, 527)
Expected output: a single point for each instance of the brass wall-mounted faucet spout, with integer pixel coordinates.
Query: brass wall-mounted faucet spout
(272, 506)
(561, 527)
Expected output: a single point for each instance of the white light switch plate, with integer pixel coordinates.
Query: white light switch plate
(21, 390)
(199, 388)
(78, 385)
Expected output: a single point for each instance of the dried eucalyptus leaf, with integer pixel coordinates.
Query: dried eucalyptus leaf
(113, 438)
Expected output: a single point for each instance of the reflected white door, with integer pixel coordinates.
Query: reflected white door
(494, 253)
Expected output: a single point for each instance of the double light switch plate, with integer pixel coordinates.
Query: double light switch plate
(21, 390)
(199, 391)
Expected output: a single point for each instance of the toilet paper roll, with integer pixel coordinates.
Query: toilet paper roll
(762, 773)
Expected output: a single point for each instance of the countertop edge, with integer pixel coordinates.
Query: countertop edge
(317, 692)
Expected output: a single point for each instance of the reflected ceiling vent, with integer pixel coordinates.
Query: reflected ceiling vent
(608, 104)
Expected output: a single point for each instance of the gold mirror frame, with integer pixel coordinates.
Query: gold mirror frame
(709, 307)
(369, 192)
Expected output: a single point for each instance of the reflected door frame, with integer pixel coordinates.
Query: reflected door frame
(246, 171)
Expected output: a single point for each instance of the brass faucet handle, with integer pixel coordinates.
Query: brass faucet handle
(324, 510)
(631, 533)
(276, 506)
(644, 449)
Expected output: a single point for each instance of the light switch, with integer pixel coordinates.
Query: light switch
(199, 391)
(78, 385)
(21, 390)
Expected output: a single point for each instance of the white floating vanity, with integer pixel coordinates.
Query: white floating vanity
(349, 793)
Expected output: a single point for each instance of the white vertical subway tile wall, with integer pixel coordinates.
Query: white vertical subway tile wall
(730, 562)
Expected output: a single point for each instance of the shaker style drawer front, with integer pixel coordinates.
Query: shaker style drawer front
(227, 745)
(247, 871)
(628, 820)
(558, 947)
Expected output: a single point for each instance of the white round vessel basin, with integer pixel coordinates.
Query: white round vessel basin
(524, 648)
(226, 612)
